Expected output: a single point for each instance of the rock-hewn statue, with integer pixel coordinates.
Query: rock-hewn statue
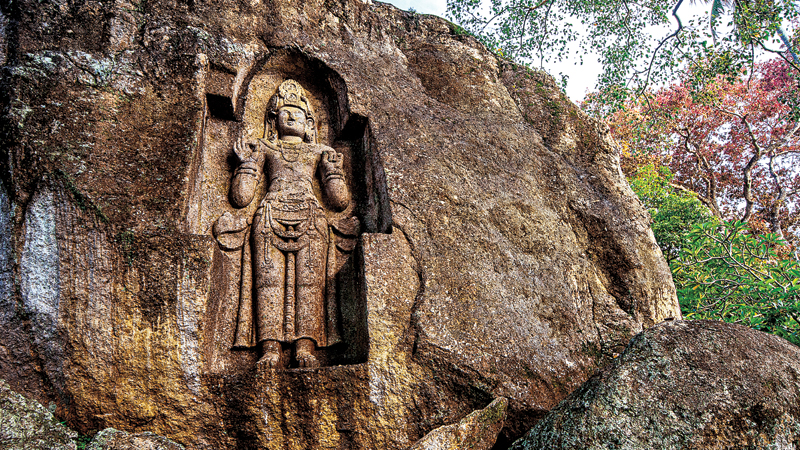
(289, 238)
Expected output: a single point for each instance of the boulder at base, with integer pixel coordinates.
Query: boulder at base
(684, 384)
(477, 431)
(27, 425)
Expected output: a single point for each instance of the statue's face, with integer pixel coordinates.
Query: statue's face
(291, 121)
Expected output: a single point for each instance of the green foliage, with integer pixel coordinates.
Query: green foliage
(722, 270)
(82, 441)
(674, 212)
(726, 272)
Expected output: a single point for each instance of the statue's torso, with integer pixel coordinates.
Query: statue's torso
(291, 170)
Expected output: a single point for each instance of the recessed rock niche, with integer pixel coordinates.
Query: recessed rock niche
(285, 181)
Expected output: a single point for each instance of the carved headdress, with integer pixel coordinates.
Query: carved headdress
(290, 93)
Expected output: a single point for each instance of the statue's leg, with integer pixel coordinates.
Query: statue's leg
(310, 313)
(269, 274)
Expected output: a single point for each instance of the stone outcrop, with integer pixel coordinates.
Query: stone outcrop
(684, 384)
(477, 431)
(499, 251)
(27, 425)
(111, 439)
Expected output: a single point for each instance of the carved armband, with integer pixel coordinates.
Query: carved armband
(337, 174)
(248, 168)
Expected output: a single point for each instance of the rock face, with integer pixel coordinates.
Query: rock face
(27, 425)
(477, 431)
(499, 252)
(693, 384)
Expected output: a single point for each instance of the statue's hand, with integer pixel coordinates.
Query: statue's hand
(250, 155)
(333, 178)
(332, 163)
(244, 148)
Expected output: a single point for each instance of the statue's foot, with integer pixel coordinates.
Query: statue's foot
(270, 360)
(271, 355)
(305, 354)
(307, 360)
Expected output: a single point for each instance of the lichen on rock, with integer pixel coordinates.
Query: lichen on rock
(27, 425)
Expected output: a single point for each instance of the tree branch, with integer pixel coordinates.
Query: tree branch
(649, 69)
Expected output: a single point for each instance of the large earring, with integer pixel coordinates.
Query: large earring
(270, 132)
(311, 131)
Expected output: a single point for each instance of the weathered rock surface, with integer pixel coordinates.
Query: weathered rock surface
(111, 439)
(477, 431)
(27, 425)
(684, 384)
(518, 260)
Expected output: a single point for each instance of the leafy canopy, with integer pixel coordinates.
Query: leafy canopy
(697, 156)
(722, 270)
(725, 41)
(735, 144)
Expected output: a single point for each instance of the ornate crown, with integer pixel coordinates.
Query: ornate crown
(290, 93)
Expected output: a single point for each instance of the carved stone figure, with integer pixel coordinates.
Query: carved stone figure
(287, 296)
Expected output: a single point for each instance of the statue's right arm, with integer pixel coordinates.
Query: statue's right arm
(247, 176)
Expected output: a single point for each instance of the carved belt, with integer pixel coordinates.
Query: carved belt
(289, 221)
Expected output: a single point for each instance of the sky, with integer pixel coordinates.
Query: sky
(437, 7)
(582, 78)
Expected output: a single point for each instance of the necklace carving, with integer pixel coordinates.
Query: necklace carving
(290, 152)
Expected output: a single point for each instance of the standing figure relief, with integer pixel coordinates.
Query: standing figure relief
(289, 251)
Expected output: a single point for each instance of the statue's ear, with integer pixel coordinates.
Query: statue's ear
(310, 122)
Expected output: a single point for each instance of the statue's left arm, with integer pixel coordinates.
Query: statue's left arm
(333, 179)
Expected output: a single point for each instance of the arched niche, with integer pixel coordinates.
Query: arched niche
(235, 104)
